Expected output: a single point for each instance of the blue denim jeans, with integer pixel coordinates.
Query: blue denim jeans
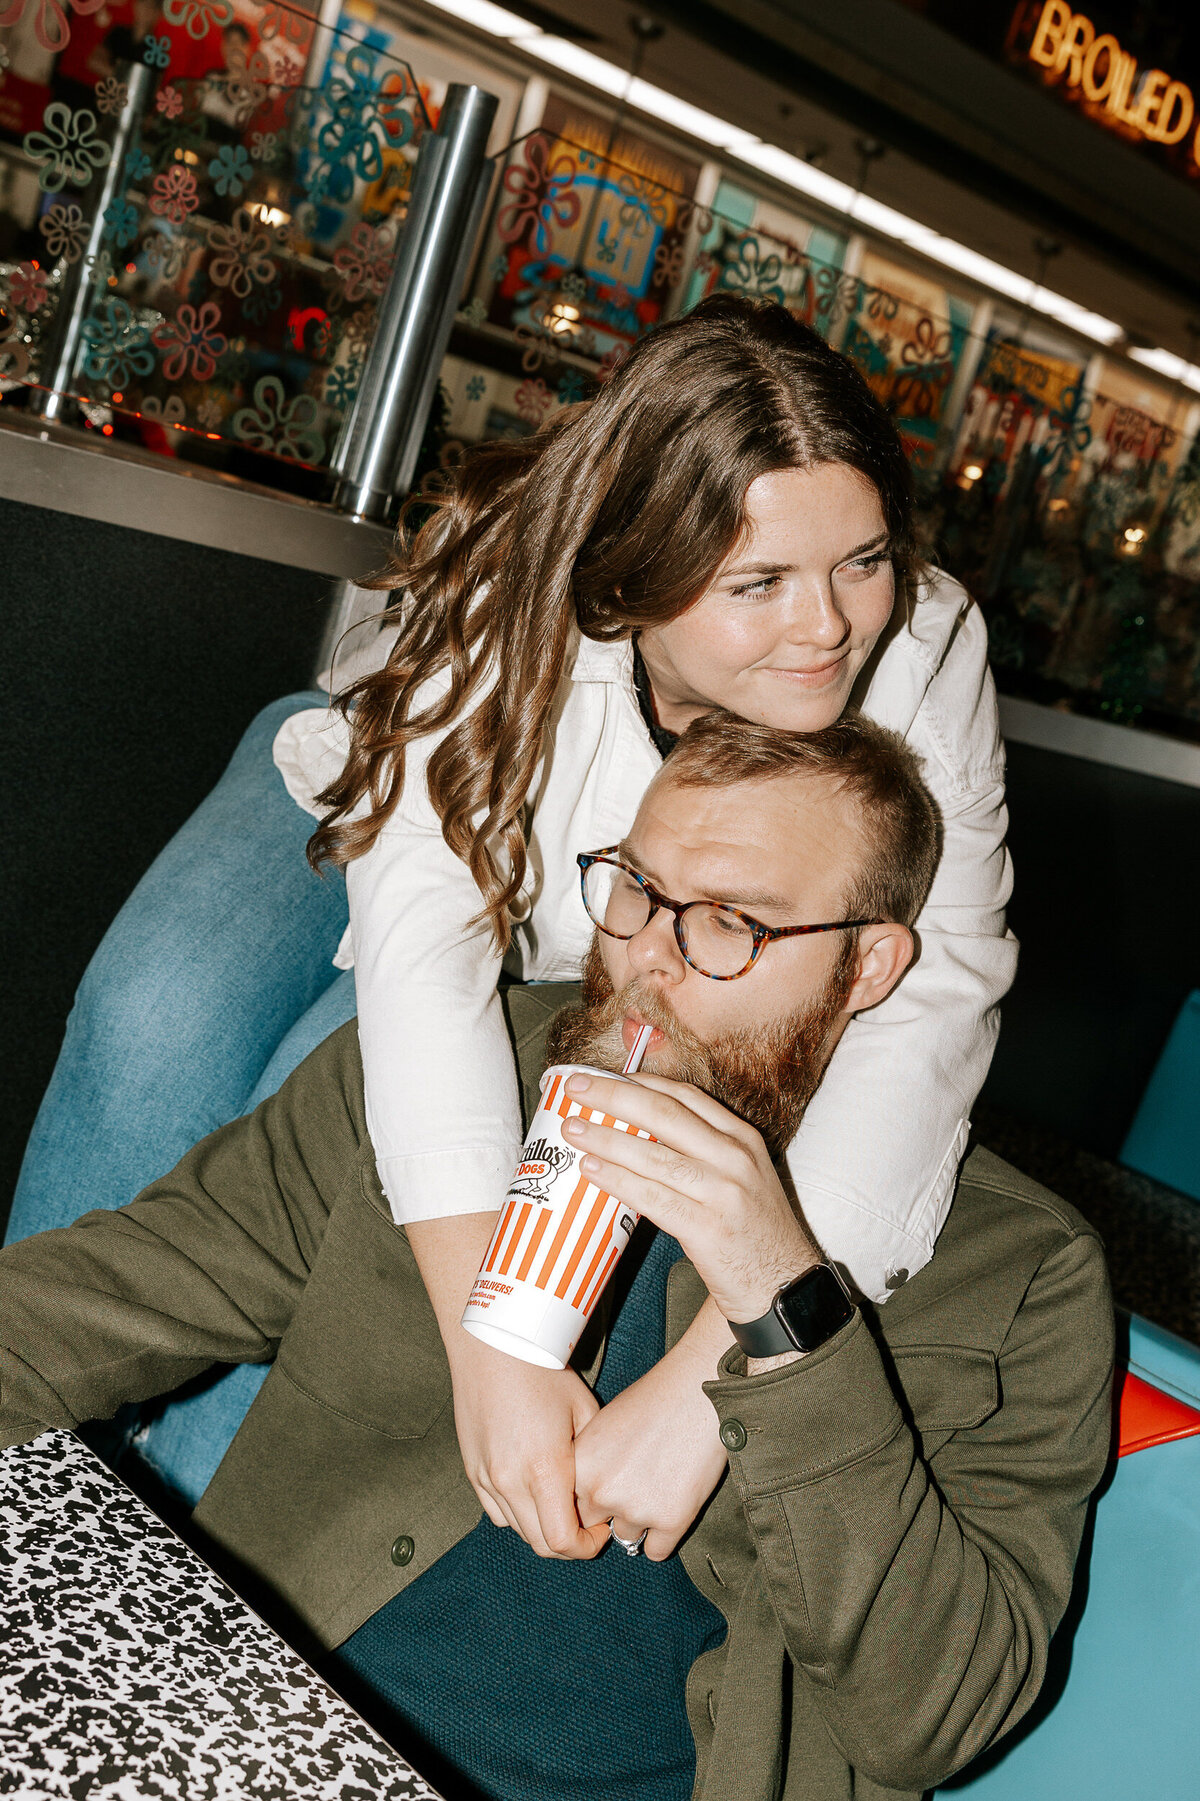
(213, 982)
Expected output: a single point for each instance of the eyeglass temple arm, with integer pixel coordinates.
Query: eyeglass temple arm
(836, 925)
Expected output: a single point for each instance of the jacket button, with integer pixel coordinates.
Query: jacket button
(733, 1435)
(402, 1551)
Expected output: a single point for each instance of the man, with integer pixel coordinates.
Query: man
(866, 1599)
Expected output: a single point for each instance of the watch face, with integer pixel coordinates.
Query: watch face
(814, 1307)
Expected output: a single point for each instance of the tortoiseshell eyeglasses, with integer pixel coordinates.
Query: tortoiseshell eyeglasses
(714, 939)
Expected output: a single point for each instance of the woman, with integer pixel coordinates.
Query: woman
(728, 523)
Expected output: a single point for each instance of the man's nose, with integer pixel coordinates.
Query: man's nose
(654, 951)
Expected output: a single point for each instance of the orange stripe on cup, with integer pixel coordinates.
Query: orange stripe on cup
(604, 1275)
(531, 1248)
(584, 1240)
(560, 1237)
(515, 1240)
(498, 1237)
(593, 1266)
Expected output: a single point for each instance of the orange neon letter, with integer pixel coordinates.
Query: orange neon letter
(1168, 130)
(1118, 93)
(1076, 42)
(1097, 90)
(1056, 16)
(1152, 90)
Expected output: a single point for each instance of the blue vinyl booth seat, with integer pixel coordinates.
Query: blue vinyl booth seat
(1164, 1139)
(1119, 1716)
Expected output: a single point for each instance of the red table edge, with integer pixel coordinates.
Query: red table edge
(1148, 1416)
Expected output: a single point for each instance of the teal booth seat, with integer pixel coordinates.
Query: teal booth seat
(1164, 1139)
(1119, 1716)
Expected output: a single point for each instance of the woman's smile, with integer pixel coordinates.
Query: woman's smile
(818, 675)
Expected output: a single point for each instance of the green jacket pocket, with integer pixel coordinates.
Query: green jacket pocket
(364, 1341)
(946, 1388)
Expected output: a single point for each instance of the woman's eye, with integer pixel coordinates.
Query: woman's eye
(762, 586)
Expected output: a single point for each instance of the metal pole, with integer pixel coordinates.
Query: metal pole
(321, 44)
(75, 296)
(379, 447)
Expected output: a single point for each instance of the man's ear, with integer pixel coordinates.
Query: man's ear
(884, 953)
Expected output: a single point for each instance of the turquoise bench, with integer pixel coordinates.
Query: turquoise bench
(1164, 1139)
(1119, 1717)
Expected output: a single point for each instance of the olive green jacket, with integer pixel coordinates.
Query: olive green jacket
(893, 1544)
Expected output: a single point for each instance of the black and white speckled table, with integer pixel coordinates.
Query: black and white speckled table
(129, 1670)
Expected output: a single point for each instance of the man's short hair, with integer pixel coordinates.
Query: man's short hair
(901, 824)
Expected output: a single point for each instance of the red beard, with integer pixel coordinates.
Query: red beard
(767, 1077)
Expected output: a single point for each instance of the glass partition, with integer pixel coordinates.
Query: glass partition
(200, 221)
(1064, 491)
(200, 201)
(1071, 508)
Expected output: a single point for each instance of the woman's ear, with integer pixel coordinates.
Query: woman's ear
(884, 953)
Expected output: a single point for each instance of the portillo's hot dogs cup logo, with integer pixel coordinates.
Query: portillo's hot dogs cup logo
(540, 1162)
(556, 1243)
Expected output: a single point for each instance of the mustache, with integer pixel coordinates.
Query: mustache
(606, 1011)
(767, 1076)
(592, 1032)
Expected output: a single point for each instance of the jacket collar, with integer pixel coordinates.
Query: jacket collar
(594, 662)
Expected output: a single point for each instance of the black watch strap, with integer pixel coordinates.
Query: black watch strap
(803, 1315)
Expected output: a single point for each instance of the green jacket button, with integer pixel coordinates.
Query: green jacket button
(403, 1549)
(733, 1435)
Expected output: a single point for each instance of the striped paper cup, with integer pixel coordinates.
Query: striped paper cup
(557, 1240)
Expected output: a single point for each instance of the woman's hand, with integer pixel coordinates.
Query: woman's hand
(705, 1176)
(517, 1428)
(516, 1423)
(652, 1457)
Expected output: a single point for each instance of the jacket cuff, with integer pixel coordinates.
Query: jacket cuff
(798, 1423)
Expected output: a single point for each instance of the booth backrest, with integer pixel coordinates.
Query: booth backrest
(1119, 1716)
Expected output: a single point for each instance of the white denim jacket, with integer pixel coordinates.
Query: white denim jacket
(875, 1160)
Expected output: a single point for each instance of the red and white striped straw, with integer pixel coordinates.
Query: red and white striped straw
(633, 1061)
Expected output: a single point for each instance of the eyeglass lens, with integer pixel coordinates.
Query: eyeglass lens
(717, 942)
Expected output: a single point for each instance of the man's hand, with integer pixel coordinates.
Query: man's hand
(707, 1180)
(652, 1457)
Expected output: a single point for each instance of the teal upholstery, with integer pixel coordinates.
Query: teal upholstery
(1164, 1139)
(1119, 1718)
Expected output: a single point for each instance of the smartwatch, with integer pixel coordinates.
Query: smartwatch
(804, 1314)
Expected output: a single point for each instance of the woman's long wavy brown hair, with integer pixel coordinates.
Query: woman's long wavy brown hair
(615, 516)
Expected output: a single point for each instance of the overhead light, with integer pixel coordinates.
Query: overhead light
(794, 172)
(840, 197)
(987, 273)
(485, 17)
(1171, 366)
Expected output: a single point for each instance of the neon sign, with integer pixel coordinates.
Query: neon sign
(1149, 102)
